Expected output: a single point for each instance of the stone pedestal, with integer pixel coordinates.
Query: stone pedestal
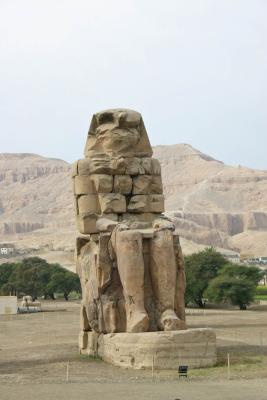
(162, 350)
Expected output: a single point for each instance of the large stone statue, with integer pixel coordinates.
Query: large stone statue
(129, 258)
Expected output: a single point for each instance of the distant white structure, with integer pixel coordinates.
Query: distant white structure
(230, 255)
(8, 305)
(28, 302)
(261, 261)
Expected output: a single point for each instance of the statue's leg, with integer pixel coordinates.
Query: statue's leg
(128, 247)
(179, 305)
(163, 272)
(84, 323)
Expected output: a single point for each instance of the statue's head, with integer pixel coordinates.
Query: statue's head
(117, 132)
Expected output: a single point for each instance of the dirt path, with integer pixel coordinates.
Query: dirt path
(233, 390)
(35, 350)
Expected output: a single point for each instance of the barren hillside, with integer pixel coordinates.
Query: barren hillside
(211, 203)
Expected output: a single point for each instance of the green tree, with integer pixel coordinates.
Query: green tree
(64, 282)
(31, 276)
(200, 269)
(36, 277)
(235, 284)
(6, 271)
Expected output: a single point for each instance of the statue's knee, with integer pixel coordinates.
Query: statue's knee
(130, 236)
(163, 237)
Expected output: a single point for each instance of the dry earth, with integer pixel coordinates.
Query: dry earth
(35, 350)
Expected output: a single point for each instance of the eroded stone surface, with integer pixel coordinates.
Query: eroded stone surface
(138, 204)
(83, 184)
(112, 203)
(86, 224)
(156, 185)
(123, 184)
(117, 132)
(147, 184)
(103, 183)
(150, 203)
(146, 218)
(142, 184)
(156, 203)
(88, 203)
(195, 348)
(134, 166)
(130, 263)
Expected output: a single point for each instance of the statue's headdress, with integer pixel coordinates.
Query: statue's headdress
(109, 120)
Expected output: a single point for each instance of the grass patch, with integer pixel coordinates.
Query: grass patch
(261, 297)
(88, 358)
(240, 366)
(261, 290)
(239, 358)
(85, 358)
(206, 372)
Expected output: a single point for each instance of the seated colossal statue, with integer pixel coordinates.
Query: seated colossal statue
(128, 255)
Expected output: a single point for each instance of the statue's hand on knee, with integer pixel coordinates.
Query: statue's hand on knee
(163, 223)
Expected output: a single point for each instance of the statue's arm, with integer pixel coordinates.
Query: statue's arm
(163, 222)
(105, 224)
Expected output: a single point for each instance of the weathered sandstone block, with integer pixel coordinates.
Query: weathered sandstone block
(156, 185)
(84, 167)
(134, 166)
(88, 203)
(141, 217)
(101, 166)
(118, 166)
(86, 224)
(109, 166)
(147, 184)
(156, 168)
(138, 204)
(74, 169)
(83, 341)
(83, 184)
(141, 184)
(106, 224)
(151, 166)
(165, 350)
(112, 216)
(103, 183)
(75, 204)
(156, 203)
(123, 184)
(146, 203)
(147, 165)
(112, 203)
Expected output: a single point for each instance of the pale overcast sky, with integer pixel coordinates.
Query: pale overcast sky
(195, 69)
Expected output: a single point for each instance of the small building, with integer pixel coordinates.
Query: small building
(260, 261)
(8, 305)
(230, 255)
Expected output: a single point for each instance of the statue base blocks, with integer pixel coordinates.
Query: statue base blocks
(160, 350)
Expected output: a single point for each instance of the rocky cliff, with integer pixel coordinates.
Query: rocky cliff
(213, 203)
(210, 202)
(35, 193)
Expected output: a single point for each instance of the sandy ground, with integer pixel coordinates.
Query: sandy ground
(136, 391)
(37, 349)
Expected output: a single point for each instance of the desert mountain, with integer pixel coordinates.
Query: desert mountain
(213, 203)
(210, 202)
